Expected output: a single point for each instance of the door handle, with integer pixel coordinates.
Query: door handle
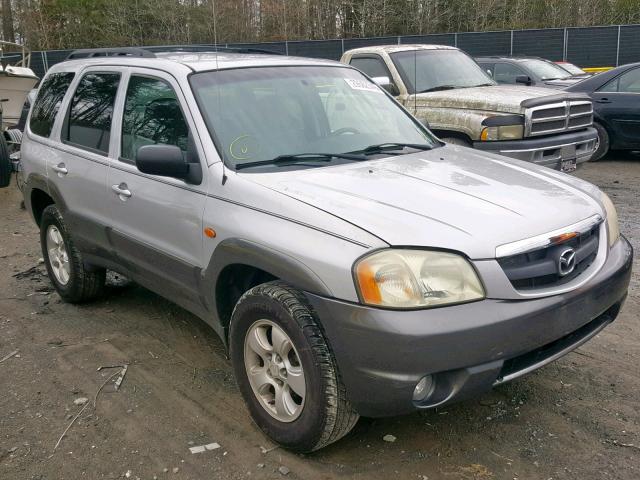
(603, 100)
(122, 191)
(60, 169)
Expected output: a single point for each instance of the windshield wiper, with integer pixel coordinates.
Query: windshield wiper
(390, 146)
(483, 85)
(438, 88)
(299, 157)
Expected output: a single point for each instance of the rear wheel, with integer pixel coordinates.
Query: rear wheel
(286, 371)
(5, 163)
(602, 143)
(70, 277)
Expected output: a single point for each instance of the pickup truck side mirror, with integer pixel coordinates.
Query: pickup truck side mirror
(524, 79)
(387, 84)
(167, 161)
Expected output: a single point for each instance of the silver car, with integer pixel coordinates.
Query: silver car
(352, 263)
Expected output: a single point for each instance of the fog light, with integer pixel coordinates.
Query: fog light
(423, 388)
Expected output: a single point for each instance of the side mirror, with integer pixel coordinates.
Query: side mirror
(167, 161)
(524, 79)
(387, 84)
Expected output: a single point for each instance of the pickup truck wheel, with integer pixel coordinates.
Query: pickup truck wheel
(73, 282)
(602, 143)
(286, 371)
(5, 163)
(457, 141)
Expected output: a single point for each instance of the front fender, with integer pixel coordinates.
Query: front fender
(468, 122)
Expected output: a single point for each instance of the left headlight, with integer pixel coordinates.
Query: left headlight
(503, 132)
(407, 278)
(612, 219)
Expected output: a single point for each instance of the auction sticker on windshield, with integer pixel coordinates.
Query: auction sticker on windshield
(356, 84)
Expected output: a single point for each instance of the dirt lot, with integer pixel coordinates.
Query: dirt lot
(578, 418)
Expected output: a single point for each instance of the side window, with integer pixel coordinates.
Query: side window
(506, 73)
(489, 68)
(47, 104)
(628, 82)
(91, 110)
(374, 67)
(152, 115)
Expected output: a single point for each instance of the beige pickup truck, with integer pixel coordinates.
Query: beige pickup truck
(446, 88)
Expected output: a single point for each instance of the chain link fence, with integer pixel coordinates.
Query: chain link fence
(608, 46)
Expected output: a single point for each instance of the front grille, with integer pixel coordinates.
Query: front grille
(558, 117)
(540, 268)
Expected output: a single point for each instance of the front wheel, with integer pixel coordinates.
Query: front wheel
(602, 143)
(286, 371)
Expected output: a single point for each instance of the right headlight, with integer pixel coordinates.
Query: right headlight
(408, 278)
(612, 219)
(503, 132)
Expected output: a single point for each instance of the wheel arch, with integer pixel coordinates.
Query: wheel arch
(238, 265)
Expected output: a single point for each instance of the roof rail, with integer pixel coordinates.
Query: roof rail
(210, 49)
(110, 52)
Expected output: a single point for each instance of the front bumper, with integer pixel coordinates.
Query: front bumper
(382, 354)
(547, 151)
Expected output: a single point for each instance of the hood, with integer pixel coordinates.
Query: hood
(496, 98)
(450, 197)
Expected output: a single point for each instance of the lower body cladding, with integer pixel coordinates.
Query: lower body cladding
(395, 362)
(561, 152)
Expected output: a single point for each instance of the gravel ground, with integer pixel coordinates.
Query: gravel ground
(575, 419)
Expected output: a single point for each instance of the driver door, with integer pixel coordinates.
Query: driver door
(157, 221)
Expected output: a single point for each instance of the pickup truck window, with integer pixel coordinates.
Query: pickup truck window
(258, 114)
(372, 66)
(431, 70)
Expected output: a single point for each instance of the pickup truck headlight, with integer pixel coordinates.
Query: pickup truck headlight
(407, 278)
(612, 219)
(504, 132)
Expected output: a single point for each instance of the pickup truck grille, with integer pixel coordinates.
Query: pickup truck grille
(540, 268)
(558, 117)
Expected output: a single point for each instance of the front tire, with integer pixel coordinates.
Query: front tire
(603, 142)
(71, 279)
(285, 369)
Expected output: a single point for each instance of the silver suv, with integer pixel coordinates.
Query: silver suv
(352, 263)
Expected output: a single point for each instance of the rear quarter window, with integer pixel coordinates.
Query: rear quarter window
(48, 102)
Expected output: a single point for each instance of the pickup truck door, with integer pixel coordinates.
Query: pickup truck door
(157, 230)
(617, 103)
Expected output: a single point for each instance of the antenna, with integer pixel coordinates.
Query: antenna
(415, 82)
(215, 41)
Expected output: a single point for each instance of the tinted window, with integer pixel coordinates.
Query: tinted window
(628, 82)
(374, 67)
(89, 123)
(48, 102)
(506, 73)
(151, 115)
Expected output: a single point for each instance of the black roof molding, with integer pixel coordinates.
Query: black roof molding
(110, 52)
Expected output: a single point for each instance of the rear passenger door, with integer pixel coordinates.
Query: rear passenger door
(156, 221)
(78, 167)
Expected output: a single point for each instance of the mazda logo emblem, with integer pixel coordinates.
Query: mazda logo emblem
(567, 262)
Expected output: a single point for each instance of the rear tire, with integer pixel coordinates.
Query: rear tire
(5, 163)
(457, 141)
(603, 143)
(71, 279)
(321, 414)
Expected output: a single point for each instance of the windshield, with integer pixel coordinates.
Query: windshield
(430, 70)
(546, 70)
(572, 69)
(259, 114)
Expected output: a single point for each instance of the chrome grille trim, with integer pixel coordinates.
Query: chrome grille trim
(543, 240)
(577, 114)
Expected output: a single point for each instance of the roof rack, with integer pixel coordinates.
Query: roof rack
(110, 52)
(150, 52)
